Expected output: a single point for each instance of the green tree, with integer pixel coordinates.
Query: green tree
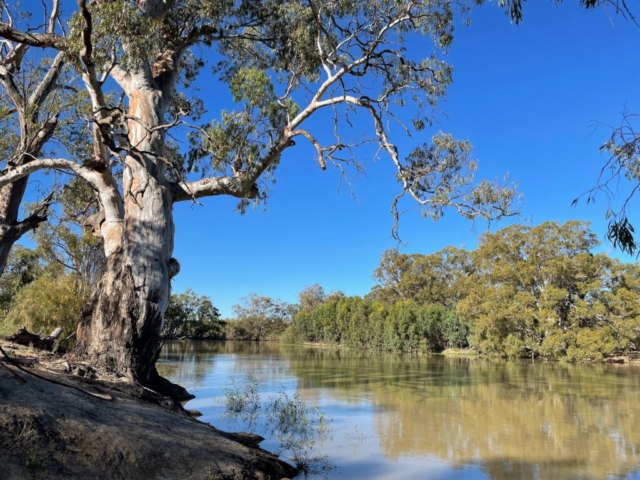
(282, 63)
(65, 265)
(311, 296)
(23, 267)
(541, 291)
(50, 301)
(260, 318)
(426, 279)
(193, 316)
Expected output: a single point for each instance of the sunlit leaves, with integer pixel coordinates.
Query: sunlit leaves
(426, 279)
(118, 24)
(540, 291)
(229, 142)
(441, 175)
(50, 301)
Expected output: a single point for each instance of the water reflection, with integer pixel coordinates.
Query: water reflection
(507, 420)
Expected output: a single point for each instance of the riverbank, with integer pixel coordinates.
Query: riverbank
(630, 358)
(103, 429)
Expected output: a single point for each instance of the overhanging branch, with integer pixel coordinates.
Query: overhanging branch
(40, 40)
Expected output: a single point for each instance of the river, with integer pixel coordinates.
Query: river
(432, 417)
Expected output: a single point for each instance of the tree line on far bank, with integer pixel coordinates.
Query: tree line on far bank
(535, 292)
(524, 292)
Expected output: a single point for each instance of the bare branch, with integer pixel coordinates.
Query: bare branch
(40, 40)
(45, 87)
(37, 216)
(54, 16)
(317, 146)
(6, 78)
(208, 187)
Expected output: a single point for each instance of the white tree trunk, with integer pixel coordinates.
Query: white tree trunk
(120, 329)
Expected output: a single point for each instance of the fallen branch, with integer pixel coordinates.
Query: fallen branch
(24, 337)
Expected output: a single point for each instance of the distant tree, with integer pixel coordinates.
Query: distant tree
(191, 315)
(311, 296)
(541, 291)
(261, 318)
(426, 279)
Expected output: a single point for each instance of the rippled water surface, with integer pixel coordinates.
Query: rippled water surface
(434, 417)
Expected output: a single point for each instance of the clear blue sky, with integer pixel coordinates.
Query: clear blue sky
(526, 96)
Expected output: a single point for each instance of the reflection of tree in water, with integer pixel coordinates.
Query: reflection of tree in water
(515, 420)
(187, 362)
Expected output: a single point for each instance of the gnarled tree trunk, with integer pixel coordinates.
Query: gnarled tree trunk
(120, 329)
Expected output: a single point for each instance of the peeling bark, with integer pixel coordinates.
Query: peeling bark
(119, 331)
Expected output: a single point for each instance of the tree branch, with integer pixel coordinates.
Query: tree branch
(209, 187)
(54, 16)
(45, 87)
(39, 40)
(13, 174)
(38, 216)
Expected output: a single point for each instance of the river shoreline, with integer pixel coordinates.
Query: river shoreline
(51, 431)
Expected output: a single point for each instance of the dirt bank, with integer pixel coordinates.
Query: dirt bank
(49, 431)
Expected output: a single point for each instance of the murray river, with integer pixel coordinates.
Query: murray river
(430, 417)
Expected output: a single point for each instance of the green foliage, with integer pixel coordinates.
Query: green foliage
(310, 297)
(426, 279)
(48, 302)
(366, 324)
(23, 267)
(283, 61)
(259, 318)
(118, 28)
(242, 401)
(192, 316)
(539, 291)
(46, 287)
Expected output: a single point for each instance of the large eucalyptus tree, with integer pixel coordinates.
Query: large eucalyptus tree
(352, 65)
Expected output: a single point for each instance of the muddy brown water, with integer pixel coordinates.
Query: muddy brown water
(433, 417)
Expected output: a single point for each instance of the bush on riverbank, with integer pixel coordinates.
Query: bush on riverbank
(362, 323)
